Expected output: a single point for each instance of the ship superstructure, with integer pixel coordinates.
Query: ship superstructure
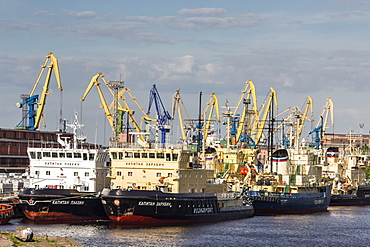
(70, 165)
(172, 169)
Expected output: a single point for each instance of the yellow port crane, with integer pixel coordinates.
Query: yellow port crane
(125, 107)
(212, 105)
(33, 115)
(178, 104)
(266, 107)
(250, 114)
(94, 82)
(322, 124)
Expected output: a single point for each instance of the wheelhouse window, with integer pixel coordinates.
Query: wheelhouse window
(38, 155)
(160, 155)
(114, 155)
(77, 155)
(33, 155)
(175, 157)
(69, 155)
(91, 156)
(62, 155)
(137, 155)
(151, 155)
(84, 156)
(46, 154)
(128, 155)
(120, 155)
(144, 155)
(54, 155)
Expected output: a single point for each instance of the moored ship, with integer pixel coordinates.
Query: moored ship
(149, 208)
(292, 186)
(359, 196)
(61, 205)
(65, 180)
(166, 184)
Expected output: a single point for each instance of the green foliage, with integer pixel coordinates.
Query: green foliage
(367, 172)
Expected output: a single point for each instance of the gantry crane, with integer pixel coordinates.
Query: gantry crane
(34, 115)
(322, 124)
(162, 115)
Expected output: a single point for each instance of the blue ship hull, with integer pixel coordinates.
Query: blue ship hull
(270, 203)
(362, 197)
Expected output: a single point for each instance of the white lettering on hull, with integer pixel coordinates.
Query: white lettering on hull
(68, 202)
(203, 210)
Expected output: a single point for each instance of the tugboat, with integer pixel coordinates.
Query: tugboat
(61, 205)
(65, 180)
(290, 188)
(359, 196)
(6, 213)
(166, 185)
(152, 208)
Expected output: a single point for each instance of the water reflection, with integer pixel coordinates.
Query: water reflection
(340, 226)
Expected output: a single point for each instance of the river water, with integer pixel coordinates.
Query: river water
(339, 226)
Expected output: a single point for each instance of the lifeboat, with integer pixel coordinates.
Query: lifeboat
(6, 213)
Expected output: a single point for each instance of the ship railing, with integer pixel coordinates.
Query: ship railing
(150, 146)
(270, 194)
(226, 195)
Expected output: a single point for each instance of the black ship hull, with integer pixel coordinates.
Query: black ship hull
(61, 205)
(152, 208)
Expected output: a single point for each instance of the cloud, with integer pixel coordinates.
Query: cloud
(139, 18)
(43, 13)
(202, 12)
(19, 26)
(120, 30)
(80, 15)
(201, 23)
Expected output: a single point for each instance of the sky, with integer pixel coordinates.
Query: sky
(299, 48)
